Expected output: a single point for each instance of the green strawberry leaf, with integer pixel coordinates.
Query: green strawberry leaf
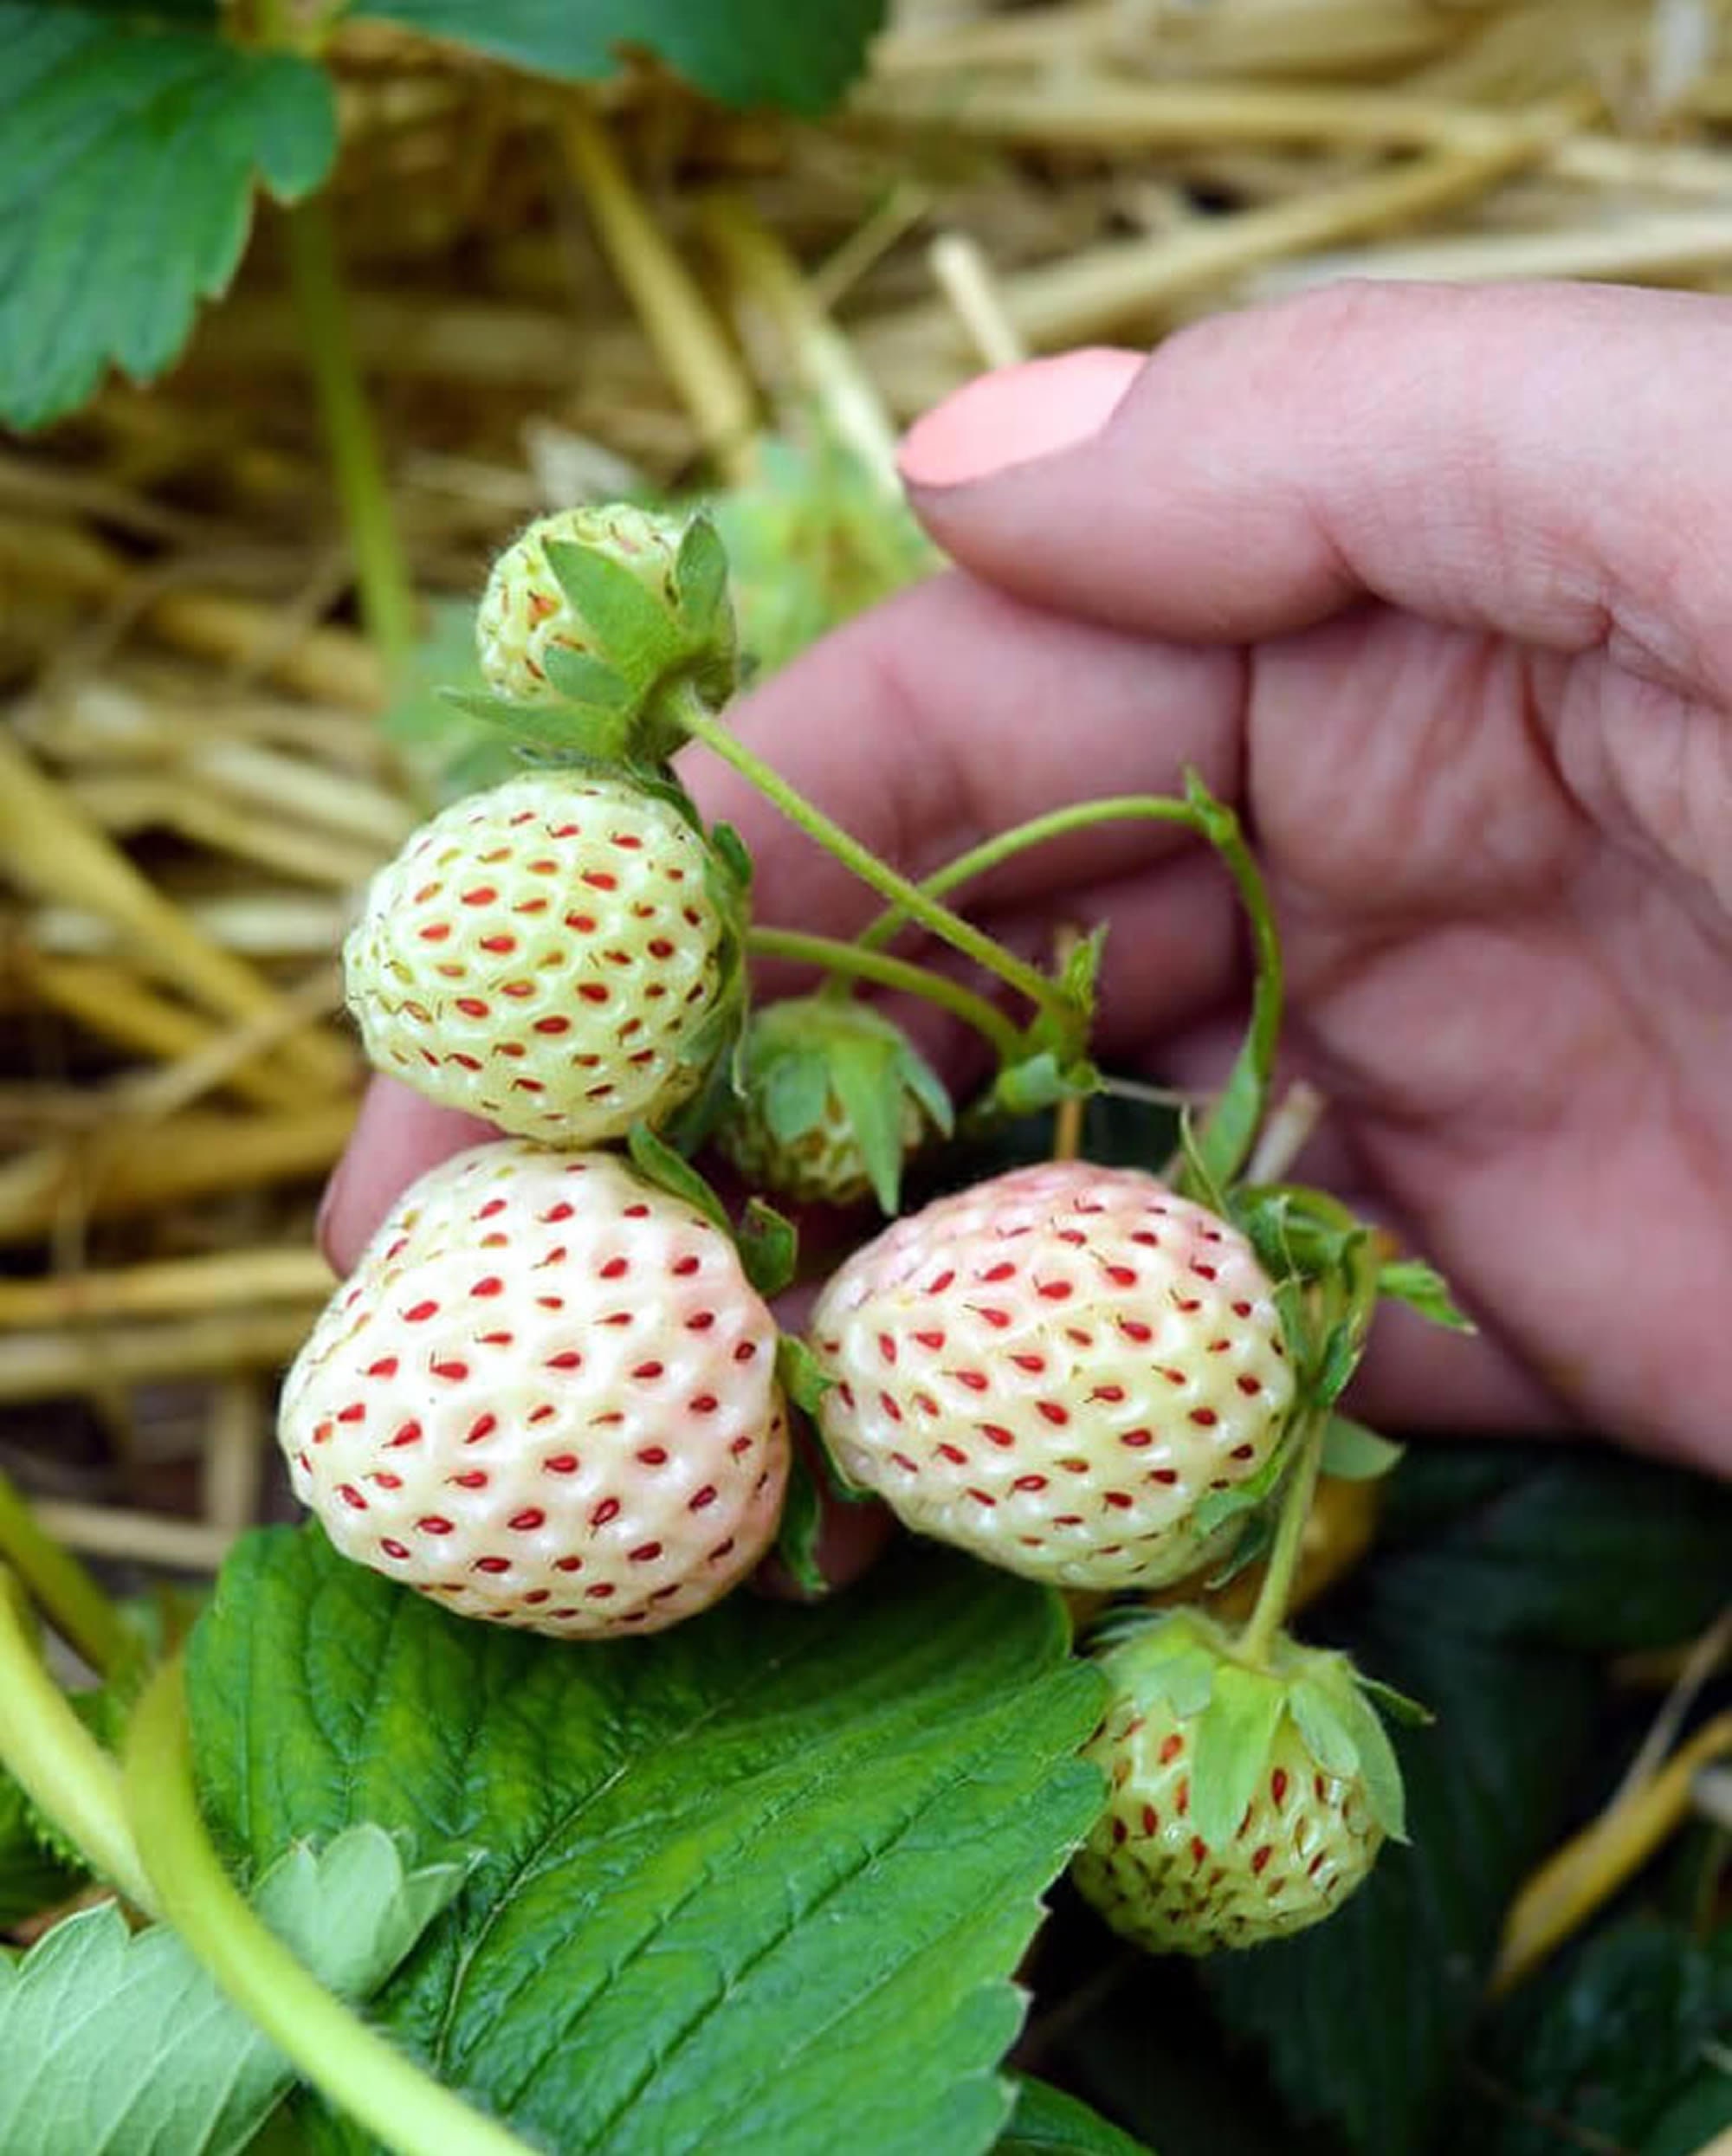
(742, 52)
(1422, 1288)
(759, 1882)
(1047, 2122)
(1233, 1734)
(119, 2041)
(1353, 1454)
(730, 851)
(1526, 1544)
(769, 1247)
(132, 151)
(1621, 2044)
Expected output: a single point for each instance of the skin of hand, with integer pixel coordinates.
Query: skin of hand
(1436, 586)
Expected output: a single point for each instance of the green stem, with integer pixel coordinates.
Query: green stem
(387, 597)
(382, 2089)
(1254, 1642)
(849, 961)
(75, 1604)
(1228, 1130)
(1055, 824)
(60, 1765)
(696, 720)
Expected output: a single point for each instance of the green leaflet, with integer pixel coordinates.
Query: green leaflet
(1619, 2044)
(744, 52)
(126, 190)
(760, 1881)
(30, 1878)
(116, 2041)
(1047, 2122)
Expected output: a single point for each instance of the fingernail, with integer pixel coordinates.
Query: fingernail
(1016, 416)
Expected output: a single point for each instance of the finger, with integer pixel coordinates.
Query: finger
(1447, 450)
(950, 713)
(397, 1136)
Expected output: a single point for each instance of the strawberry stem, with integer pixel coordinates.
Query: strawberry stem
(849, 961)
(70, 1598)
(382, 578)
(379, 2086)
(701, 724)
(1254, 1642)
(1228, 1131)
(56, 1761)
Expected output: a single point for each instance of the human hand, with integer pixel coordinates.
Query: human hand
(1428, 582)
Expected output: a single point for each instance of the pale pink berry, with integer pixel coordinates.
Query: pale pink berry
(1052, 1369)
(542, 956)
(546, 1396)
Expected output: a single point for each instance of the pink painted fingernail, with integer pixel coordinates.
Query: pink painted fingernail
(1014, 417)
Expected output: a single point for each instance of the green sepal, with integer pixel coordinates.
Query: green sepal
(1326, 1735)
(792, 1093)
(800, 1374)
(1215, 1508)
(637, 637)
(769, 1247)
(705, 612)
(732, 856)
(1230, 1746)
(870, 1080)
(1378, 1768)
(1175, 1664)
(1255, 1541)
(588, 683)
(1421, 1288)
(1411, 1714)
(1353, 1454)
(591, 736)
(657, 1163)
(796, 1533)
(1037, 1081)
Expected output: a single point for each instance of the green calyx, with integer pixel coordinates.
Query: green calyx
(834, 1098)
(1189, 1666)
(596, 623)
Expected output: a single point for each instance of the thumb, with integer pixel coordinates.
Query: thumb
(1445, 451)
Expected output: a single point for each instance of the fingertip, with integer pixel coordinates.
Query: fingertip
(1014, 417)
(398, 1135)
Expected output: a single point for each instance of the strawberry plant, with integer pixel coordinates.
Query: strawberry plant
(495, 1808)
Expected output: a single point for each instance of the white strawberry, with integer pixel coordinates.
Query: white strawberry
(1052, 1369)
(546, 1395)
(546, 956)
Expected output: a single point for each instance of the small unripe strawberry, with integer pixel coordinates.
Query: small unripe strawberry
(547, 1395)
(528, 611)
(546, 956)
(1053, 1369)
(1244, 1803)
(835, 1097)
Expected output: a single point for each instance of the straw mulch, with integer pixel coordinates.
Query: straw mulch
(554, 297)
